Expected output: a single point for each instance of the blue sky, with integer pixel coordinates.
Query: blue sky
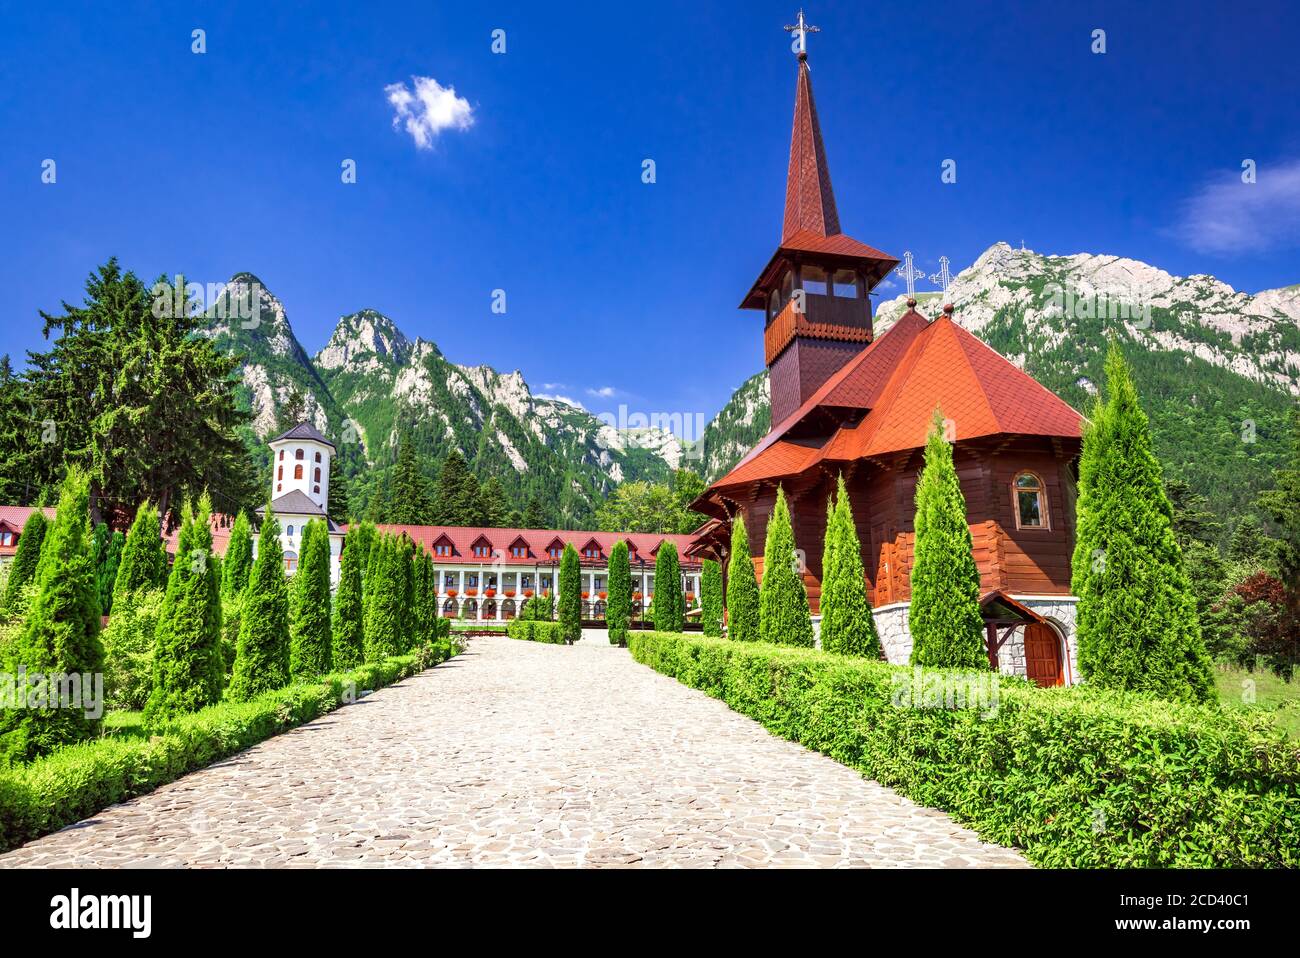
(231, 160)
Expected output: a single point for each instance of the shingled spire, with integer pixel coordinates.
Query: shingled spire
(809, 199)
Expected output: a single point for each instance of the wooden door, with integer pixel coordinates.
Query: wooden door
(1043, 656)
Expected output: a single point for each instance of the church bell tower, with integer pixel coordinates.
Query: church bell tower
(814, 290)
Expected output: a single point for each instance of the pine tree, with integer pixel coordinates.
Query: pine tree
(848, 626)
(26, 557)
(60, 636)
(143, 564)
(411, 505)
(457, 502)
(496, 510)
(385, 594)
(239, 558)
(310, 646)
(742, 598)
(339, 504)
(348, 631)
(534, 516)
(618, 605)
(1248, 540)
(262, 653)
(570, 594)
(668, 605)
(187, 664)
(783, 614)
(1281, 504)
(711, 598)
(944, 614)
(1137, 625)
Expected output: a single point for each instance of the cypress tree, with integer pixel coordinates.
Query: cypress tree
(239, 558)
(310, 647)
(848, 626)
(618, 605)
(386, 591)
(668, 605)
(570, 594)
(348, 632)
(783, 614)
(742, 587)
(262, 653)
(26, 557)
(944, 615)
(106, 573)
(143, 564)
(406, 636)
(426, 598)
(1137, 626)
(61, 634)
(187, 665)
(364, 542)
(711, 598)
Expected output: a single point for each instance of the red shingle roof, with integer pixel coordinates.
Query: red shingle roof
(462, 539)
(809, 199)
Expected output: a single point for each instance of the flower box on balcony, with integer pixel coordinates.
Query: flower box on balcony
(528, 593)
(452, 593)
(471, 592)
(603, 596)
(586, 596)
(636, 596)
(489, 593)
(690, 596)
(510, 593)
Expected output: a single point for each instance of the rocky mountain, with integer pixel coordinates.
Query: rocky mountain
(371, 382)
(1218, 370)
(737, 428)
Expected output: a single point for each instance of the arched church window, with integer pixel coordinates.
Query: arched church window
(298, 454)
(290, 530)
(1030, 502)
(279, 474)
(318, 457)
(282, 455)
(845, 284)
(297, 472)
(317, 477)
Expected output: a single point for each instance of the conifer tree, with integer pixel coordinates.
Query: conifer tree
(944, 614)
(411, 504)
(60, 636)
(711, 598)
(1137, 625)
(26, 557)
(426, 599)
(570, 594)
(618, 605)
(339, 502)
(386, 593)
(848, 626)
(106, 572)
(365, 541)
(348, 630)
(406, 635)
(783, 614)
(1248, 540)
(262, 652)
(238, 564)
(668, 605)
(742, 598)
(534, 516)
(310, 645)
(187, 664)
(143, 564)
(496, 510)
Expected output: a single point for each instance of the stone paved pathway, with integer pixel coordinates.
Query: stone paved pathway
(523, 754)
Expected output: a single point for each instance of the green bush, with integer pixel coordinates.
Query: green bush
(618, 609)
(531, 631)
(310, 639)
(1077, 777)
(79, 780)
(742, 587)
(571, 593)
(783, 615)
(128, 649)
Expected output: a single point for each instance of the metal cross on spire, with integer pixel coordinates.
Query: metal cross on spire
(910, 273)
(801, 28)
(943, 277)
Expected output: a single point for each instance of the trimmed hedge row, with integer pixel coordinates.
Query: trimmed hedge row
(79, 780)
(1076, 777)
(533, 631)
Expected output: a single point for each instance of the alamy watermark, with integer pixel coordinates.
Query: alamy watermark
(240, 302)
(636, 429)
(83, 691)
(943, 689)
(1077, 300)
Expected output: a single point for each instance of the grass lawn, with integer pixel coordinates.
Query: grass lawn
(1271, 694)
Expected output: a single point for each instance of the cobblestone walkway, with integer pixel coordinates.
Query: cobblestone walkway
(522, 754)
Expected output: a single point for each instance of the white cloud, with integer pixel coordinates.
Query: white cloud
(564, 399)
(603, 392)
(1229, 216)
(426, 108)
(553, 387)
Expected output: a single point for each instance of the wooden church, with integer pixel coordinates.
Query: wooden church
(845, 400)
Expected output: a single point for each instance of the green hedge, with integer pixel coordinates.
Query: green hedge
(1076, 777)
(532, 631)
(77, 781)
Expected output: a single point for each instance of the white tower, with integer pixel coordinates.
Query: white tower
(301, 463)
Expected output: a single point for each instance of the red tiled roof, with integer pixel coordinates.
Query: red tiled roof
(220, 525)
(837, 244)
(14, 518)
(900, 378)
(462, 539)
